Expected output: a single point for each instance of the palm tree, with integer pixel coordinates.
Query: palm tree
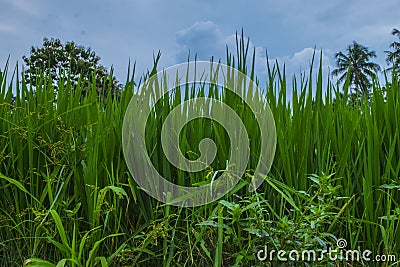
(357, 62)
(393, 57)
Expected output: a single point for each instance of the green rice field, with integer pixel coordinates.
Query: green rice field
(67, 197)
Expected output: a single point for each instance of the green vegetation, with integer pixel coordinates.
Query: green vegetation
(357, 65)
(393, 57)
(67, 197)
(72, 62)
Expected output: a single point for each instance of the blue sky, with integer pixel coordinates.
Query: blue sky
(120, 30)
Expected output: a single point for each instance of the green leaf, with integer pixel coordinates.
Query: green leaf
(60, 228)
(96, 245)
(35, 262)
(19, 186)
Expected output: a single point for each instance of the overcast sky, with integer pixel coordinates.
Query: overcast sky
(120, 30)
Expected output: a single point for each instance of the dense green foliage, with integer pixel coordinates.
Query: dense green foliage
(393, 57)
(356, 64)
(69, 61)
(66, 194)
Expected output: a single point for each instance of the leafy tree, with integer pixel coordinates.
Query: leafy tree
(393, 57)
(69, 60)
(357, 61)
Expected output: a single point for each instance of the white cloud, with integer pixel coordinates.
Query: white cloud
(301, 60)
(202, 38)
(206, 39)
(260, 53)
(299, 64)
(137, 28)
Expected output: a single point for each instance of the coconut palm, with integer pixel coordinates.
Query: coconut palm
(393, 57)
(358, 62)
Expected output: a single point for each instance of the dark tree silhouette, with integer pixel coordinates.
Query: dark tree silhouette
(69, 60)
(357, 61)
(393, 57)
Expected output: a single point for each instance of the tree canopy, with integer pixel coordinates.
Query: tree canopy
(393, 57)
(356, 63)
(69, 60)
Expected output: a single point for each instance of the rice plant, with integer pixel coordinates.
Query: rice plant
(68, 198)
